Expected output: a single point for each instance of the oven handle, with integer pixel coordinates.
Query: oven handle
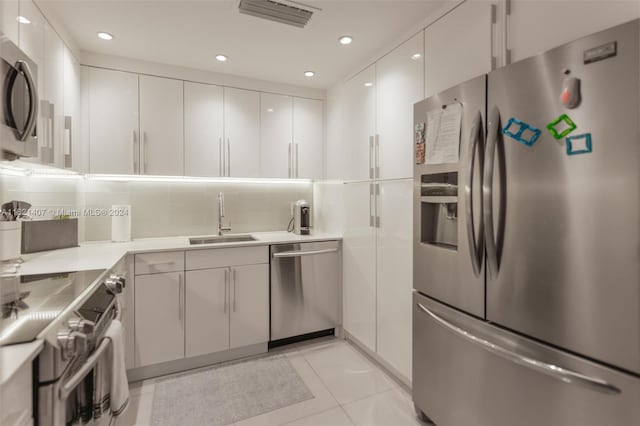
(23, 67)
(86, 368)
(91, 362)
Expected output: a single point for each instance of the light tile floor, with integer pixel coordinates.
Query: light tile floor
(348, 390)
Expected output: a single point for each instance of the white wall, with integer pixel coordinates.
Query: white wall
(161, 209)
(539, 25)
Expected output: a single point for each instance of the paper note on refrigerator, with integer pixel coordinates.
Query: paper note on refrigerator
(443, 134)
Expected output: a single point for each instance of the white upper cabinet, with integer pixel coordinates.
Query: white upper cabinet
(458, 47)
(32, 43)
(242, 133)
(9, 12)
(307, 151)
(564, 21)
(399, 84)
(359, 126)
(72, 142)
(114, 145)
(203, 129)
(276, 136)
(52, 98)
(161, 126)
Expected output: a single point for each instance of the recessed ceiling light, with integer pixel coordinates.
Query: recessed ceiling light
(269, 109)
(23, 20)
(309, 73)
(221, 58)
(416, 56)
(104, 36)
(346, 39)
(368, 84)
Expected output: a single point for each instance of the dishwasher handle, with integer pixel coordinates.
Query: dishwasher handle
(303, 253)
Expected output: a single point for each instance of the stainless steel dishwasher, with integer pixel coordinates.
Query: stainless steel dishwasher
(305, 284)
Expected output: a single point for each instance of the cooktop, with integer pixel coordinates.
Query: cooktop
(31, 302)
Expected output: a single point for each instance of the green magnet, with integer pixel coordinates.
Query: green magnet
(564, 118)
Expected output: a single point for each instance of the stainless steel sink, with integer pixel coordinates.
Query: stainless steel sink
(219, 239)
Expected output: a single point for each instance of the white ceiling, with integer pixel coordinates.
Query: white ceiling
(190, 33)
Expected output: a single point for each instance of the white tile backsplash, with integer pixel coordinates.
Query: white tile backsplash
(162, 209)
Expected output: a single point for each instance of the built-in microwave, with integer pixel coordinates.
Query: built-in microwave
(18, 102)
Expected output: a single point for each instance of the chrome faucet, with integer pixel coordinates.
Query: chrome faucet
(221, 214)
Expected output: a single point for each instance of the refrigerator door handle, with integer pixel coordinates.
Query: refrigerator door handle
(554, 371)
(475, 250)
(487, 191)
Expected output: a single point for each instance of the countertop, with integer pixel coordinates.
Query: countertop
(105, 255)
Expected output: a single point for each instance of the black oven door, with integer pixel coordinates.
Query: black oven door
(18, 102)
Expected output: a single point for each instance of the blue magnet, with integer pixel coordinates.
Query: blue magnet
(525, 133)
(584, 144)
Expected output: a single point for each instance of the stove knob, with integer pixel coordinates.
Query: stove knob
(72, 343)
(119, 278)
(115, 284)
(82, 325)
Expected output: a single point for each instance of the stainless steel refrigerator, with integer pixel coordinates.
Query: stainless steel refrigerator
(526, 309)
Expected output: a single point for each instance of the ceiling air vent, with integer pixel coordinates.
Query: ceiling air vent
(286, 12)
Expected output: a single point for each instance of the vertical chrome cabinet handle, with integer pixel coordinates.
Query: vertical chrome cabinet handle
(377, 157)
(23, 67)
(180, 297)
(48, 150)
(220, 156)
(377, 199)
(297, 160)
(487, 192)
(370, 157)
(290, 160)
(233, 272)
(136, 153)
(52, 118)
(229, 158)
(223, 171)
(145, 154)
(475, 250)
(371, 202)
(226, 284)
(68, 127)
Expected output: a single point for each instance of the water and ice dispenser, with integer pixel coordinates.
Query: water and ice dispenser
(439, 209)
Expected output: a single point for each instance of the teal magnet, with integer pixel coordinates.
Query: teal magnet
(524, 133)
(579, 144)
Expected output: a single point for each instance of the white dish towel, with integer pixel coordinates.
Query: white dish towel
(119, 386)
(111, 389)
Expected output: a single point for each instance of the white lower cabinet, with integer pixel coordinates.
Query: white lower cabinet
(159, 318)
(377, 269)
(394, 270)
(183, 314)
(207, 307)
(359, 264)
(249, 302)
